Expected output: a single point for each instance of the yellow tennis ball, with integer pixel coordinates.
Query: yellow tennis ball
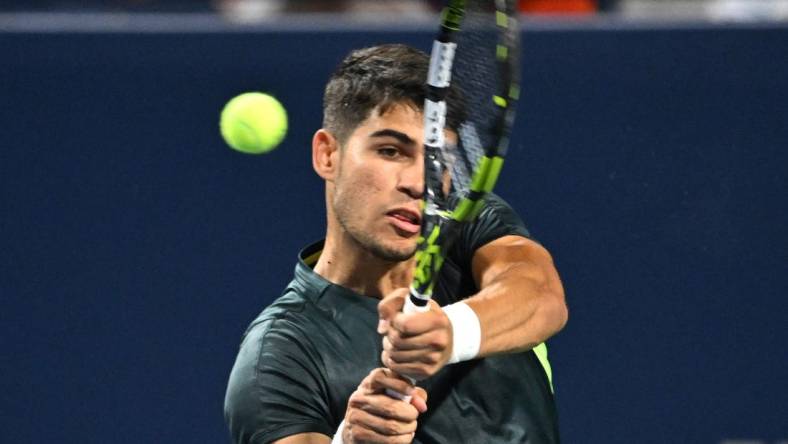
(253, 123)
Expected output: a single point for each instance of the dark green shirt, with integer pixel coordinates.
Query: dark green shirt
(305, 354)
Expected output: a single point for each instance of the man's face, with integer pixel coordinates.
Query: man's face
(379, 183)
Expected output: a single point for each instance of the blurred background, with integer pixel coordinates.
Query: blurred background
(250, 10)
(649, 156)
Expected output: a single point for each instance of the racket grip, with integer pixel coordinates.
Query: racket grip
(410, 307)
(401, 396)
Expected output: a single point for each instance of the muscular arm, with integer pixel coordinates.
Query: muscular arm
(519, 306)
(521, 301)
(305, 438)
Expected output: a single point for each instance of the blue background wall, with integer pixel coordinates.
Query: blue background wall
(135, 247)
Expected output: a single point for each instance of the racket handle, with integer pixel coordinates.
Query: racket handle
(401, 396)
(409, 307)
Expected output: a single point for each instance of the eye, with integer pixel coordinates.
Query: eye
(388, 151)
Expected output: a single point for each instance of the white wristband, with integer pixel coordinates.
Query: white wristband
(467, 332)
(338, 435)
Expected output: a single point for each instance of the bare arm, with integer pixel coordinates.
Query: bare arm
(521, 301)
(305, 438)
(520, 304)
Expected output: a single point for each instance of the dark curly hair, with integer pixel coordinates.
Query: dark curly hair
(377, 77)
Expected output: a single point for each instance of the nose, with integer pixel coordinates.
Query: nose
(411, 178)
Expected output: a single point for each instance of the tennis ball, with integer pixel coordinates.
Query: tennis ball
(253, 123)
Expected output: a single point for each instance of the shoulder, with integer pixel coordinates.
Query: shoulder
(496, 219)
(277, 353)
(283, 329)
(498, 215)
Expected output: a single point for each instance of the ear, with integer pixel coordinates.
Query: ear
(325, 154)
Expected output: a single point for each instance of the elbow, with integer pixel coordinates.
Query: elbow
(555, 313)
(555, 306)
(561, 314)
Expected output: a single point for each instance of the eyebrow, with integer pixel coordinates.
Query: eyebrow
(400, 136)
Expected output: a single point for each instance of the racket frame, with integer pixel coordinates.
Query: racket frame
(441, 226)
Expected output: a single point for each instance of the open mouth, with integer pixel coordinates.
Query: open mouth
(405, 220)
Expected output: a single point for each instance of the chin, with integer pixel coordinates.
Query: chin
(394, 253)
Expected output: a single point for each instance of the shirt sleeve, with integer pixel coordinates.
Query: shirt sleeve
(497, 219)
(276, 388)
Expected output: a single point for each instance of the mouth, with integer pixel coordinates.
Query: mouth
(405, 220)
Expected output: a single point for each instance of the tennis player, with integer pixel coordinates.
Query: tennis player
(315, 364)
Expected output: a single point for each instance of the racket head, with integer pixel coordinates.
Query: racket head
(472, 93)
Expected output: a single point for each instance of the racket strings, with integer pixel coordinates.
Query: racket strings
(480, 74)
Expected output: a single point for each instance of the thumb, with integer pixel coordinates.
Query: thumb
(419, 399)
(390, 306)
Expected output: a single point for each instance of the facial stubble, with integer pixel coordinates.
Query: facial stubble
(343, 205)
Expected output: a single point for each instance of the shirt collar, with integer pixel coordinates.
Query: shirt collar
(322, 291)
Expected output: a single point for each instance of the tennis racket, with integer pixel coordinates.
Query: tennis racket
(472, 90)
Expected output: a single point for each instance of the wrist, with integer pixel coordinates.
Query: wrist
(338, 434)
(466, 332)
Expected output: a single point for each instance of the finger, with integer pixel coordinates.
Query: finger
(361, 434)
(389, 306)
(428, 357)
(419, 400)
(421, 393)
(381, 379)
(412, 324)
(414, 370)
(385, 408)
(391, 343)
(431, 340)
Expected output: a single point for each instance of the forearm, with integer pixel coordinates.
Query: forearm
(520, 304)
(519, 309)
(521, 301)
(305, 438)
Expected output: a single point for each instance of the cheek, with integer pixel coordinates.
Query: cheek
(370, 182)
(368, 179)
(358, 187)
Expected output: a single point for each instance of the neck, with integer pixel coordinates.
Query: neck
(344, 262)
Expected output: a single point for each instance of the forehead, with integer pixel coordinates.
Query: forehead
(404, 117)
(402, 113)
